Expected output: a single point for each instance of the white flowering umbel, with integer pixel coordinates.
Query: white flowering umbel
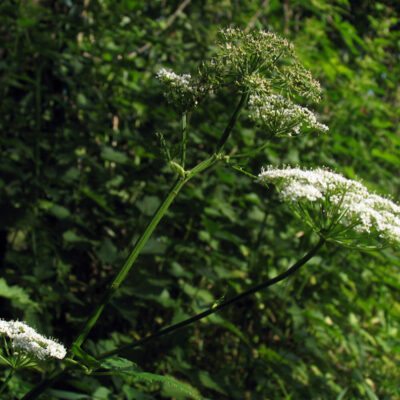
(339, 209)
(26, 342)
(183, 91)
(280, 117)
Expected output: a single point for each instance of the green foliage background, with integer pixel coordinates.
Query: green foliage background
(81, 174)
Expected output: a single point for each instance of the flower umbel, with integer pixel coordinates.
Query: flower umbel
(179, 89)
(245, 53)
(25, 339)
(340, 209)
(258, 61)
(280, 117)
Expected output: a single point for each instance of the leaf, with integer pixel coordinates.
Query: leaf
(63, 394)
(19, 298)
(110, 154)
(217, 319)
(97, 199)
(107, 252)
(370, 393)
(72, 237)
(60, 211)
(342, 394)
(148, 205)
(386, 156)
(119, 365)
(88, 360)
(209, 382)
(54, 209)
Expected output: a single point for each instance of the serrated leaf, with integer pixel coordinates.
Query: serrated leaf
(119, 365)
(19, 298)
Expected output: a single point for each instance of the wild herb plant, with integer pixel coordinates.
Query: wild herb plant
(262, 70)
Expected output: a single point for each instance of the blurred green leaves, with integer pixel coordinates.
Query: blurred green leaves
(81, 174)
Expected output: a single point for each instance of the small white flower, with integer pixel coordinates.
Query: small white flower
(364, 212)
(182, 91)
(173, 79)
(281, 117)
(25, 338)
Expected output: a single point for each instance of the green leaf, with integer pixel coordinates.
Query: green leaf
(97, 199)
(87, 359)
(148, 205)
(110, 154)
(386, 156)
(18, 296)
(119, 365)
(108, 252)
(63, 394)
(72, 237)
(209, 382)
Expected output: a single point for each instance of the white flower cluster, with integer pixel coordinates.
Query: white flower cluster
(281, 117)
(27, 339)
(359, 209)
(180, 90)
(174, 80)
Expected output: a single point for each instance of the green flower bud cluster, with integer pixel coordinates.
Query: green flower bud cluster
(258, 62)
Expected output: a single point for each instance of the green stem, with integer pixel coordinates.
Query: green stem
(139, 246)
(251, 152)
(8, 378)
(187, 175)
(202, 166)
(219, 306)
(129, 261)
(232, 121)
(184, 138)
(241, 170)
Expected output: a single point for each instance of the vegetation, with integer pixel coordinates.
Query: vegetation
(91, 147)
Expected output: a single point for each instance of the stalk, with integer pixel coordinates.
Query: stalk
(219, 306)
(184, 138)
(181, 181)
(8, 378)
(232, 121)
(162, 209)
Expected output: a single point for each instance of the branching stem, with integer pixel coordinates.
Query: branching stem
(219, 306)
(126, 268)
(162, 209)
